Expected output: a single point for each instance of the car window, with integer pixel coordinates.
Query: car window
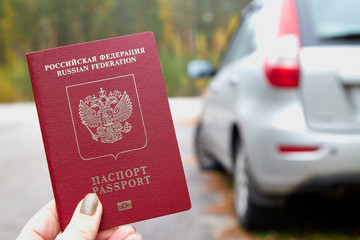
(325, 21)
(241, 43)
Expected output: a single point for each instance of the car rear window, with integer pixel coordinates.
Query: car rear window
(329, 21)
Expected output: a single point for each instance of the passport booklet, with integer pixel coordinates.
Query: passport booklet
(107, 128)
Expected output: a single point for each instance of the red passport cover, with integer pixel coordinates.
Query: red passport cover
(107, 128)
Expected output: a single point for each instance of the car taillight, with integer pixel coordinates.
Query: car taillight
(282, 66)
(297, 149)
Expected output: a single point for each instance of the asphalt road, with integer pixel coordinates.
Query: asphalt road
(25, 184)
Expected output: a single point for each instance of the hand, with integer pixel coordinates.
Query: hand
(84, 224)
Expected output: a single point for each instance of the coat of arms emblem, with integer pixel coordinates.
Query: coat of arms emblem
(105, 116)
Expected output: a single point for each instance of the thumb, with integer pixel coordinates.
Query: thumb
(84, 224)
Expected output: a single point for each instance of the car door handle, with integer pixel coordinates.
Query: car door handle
(214, 87)
(234, 79)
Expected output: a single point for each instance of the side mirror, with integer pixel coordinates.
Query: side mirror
(199, 68)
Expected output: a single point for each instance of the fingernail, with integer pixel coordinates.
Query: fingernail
(135, 236)
(89, 204)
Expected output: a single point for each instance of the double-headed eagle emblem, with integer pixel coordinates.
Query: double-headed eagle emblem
(106, 114)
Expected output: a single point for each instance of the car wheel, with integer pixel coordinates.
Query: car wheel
(206, 161)
(250, 215)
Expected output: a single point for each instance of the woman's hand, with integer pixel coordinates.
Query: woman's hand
(84, 224)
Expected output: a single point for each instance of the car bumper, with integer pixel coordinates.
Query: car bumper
(329, 156)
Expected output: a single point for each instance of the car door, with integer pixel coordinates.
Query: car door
(220, 114)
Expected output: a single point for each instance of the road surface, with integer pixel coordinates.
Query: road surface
(25, 183)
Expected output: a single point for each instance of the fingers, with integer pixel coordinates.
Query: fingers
(106, 234)
(44, 225)
(135, 236)
(126, 232)
(84, 224)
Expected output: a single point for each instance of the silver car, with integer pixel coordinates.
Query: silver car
(282, 111)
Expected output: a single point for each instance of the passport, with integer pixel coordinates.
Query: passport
(107, 128)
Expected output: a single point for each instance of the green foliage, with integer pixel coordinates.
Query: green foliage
(184, 29)
(174, 70)
(15, 82)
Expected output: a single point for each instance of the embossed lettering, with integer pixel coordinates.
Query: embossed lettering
(120, 180)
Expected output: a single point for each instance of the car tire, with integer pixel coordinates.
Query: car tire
(206, 161)
(250, 214)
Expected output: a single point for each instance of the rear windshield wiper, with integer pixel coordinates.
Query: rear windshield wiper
(347, 36)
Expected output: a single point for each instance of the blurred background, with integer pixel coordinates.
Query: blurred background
(184, 30)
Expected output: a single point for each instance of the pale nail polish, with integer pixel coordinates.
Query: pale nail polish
(89, 204)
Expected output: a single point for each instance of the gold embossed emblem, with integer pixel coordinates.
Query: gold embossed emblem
(125, 205)
(106, 116)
